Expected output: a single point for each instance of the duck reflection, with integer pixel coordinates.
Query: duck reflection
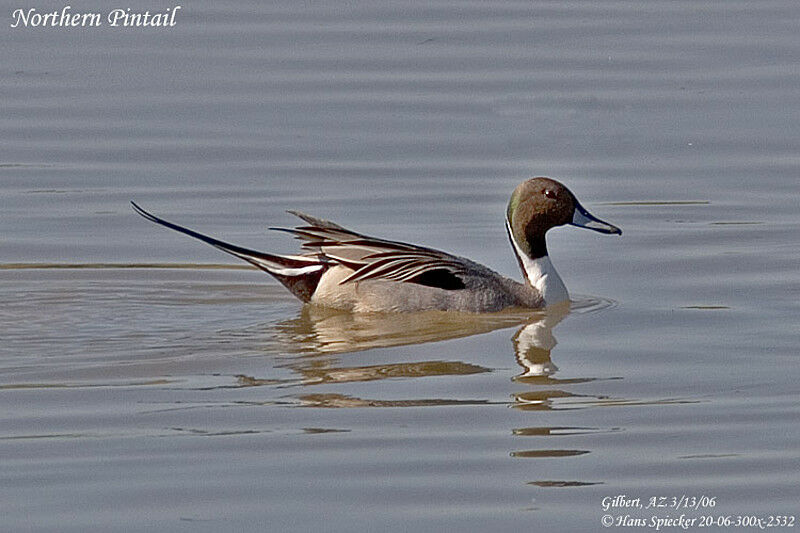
(316, 336)
(534, 341)
(320, 331)
(324, 332)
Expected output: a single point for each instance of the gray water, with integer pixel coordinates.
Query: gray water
(150, 383)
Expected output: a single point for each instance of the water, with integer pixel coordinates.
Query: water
(202, 396)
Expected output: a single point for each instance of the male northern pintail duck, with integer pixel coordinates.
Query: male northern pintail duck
(346, 270)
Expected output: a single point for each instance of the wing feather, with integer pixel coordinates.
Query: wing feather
(372, 258)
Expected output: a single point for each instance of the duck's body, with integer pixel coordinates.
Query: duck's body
(346, 270)
(483, 291)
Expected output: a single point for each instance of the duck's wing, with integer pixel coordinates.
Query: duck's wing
(372, 258)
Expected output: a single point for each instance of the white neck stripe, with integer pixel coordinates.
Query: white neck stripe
(541, 274)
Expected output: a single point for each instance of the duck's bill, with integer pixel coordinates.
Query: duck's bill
(584, 219)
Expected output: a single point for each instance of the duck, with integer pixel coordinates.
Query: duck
(344, 270)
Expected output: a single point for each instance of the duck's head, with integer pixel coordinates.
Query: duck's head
(539, 204)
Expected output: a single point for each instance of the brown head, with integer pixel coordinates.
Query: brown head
(539, 204)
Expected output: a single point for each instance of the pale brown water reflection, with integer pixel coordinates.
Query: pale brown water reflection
(324, 331)
(320, 330)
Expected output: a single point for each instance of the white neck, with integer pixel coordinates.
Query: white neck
(542, 275)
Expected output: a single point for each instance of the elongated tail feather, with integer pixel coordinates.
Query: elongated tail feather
(299, 274)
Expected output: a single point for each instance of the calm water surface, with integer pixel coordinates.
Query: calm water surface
(147, 382)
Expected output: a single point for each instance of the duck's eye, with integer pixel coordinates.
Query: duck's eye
(550, 194)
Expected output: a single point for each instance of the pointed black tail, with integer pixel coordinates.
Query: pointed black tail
(299, 274)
